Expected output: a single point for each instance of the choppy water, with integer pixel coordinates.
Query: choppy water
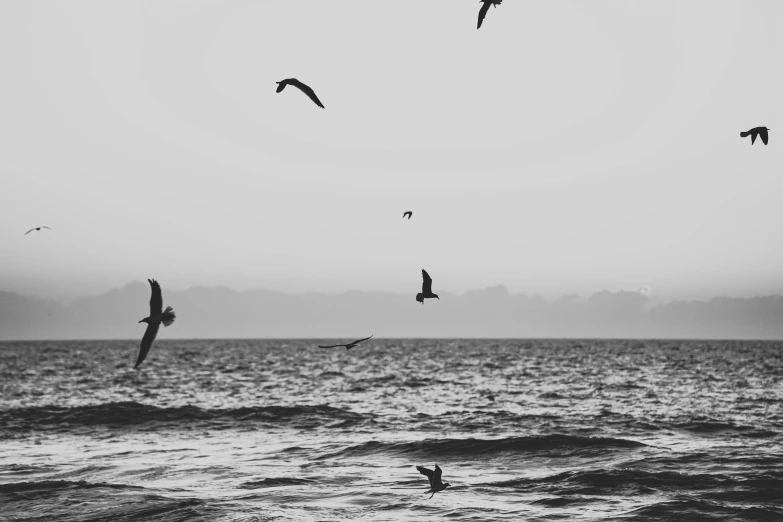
(281, 430)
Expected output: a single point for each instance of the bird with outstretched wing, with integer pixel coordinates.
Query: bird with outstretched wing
(435, 479)
(754, 132)
(302, 87)
(485, 8)
(37, 228)
(156, 317)
(426, 288)
(347, 346)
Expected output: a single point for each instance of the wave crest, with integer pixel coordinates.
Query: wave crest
(123, 414)
(465, 448)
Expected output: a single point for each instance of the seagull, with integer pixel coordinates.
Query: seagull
(408, 213)
(762, 131)
(302, 87)
(347, 346)
(426, 288)
(485, 8)
(157, 316)
(36, 228)
(434, 476)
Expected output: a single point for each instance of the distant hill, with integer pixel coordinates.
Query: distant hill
(220, 312)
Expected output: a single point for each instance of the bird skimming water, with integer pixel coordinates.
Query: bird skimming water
(157, 316)
(347, 346)
(435, 483)
(408, 213)
(302, 87)
(36, 228)
(426, 288)
(758, 131)
(485, 8)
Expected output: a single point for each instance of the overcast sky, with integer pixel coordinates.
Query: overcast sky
(566, 147)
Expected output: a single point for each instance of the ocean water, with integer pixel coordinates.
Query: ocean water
(281, 430)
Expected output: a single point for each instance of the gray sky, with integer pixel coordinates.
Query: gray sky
(566, 147)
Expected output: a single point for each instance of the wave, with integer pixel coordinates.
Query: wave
(57, 485)
(690, 509)
(756, 488)
(94, 501)
(709, 426)
(466, 448)
(274, 482)
(124, 414)
(593, 482)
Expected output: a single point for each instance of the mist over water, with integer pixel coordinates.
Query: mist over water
(262, 430)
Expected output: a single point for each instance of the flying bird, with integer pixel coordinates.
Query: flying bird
(485, 8)
(347, 346)
(758, 131)
(408, 213)
(36, 228)
(434, 476)
(157, 316)
(426, 288)
(302, 87)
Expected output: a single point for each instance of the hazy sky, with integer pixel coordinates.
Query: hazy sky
(566, 147)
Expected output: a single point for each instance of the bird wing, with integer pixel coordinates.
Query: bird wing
(483, 13)
(333, 346)
(308, 91)
(764, 136)
(436, 478)
(753, 138)
(146, 342)
(156, 299)
(408, 213)
(426, 286)
(47, 228)
(428, 472)
(362, 340)
(29, 231)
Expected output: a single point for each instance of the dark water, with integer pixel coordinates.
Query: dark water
(280, 430)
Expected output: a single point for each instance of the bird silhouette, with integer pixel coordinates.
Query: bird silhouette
(408, 213)
(426, 288)
(36, 228)
(157, 316)
(347, 346)
(485, 8)
(435, 483)
(758, 131)
(302, 87)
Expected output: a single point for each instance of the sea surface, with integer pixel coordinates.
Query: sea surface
(282, 430)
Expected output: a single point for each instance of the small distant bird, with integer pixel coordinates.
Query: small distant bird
(408, 213)
(758, 131)
(302, 87)
(157, 316)
(485, 8)
(36, 228)
(347, 346)
(426, 288)
(434, 476)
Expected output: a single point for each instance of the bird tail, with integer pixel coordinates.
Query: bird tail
(168, 316)
(744, 134)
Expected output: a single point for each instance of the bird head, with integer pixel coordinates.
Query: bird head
(420, 297)
(145, 320)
